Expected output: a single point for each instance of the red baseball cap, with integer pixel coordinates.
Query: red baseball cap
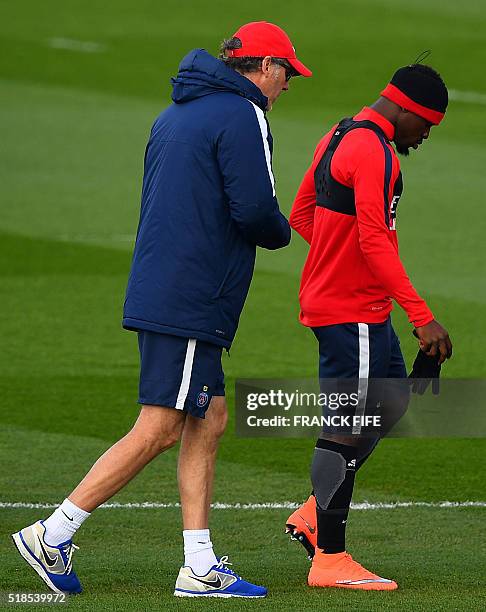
(260, 39)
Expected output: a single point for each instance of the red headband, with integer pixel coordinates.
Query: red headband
(396, 95)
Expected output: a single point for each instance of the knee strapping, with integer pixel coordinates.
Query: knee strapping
(333, 463)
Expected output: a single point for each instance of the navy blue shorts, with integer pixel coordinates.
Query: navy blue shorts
(363, 351)
(178, 372)
(359, 350)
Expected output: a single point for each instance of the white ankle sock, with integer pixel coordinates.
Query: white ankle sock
(63, 523)
(198, 551)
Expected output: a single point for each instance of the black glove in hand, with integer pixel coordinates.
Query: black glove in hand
(425, 370)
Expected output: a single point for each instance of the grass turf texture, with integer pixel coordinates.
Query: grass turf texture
(73, 135)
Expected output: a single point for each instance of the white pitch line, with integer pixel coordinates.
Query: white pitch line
(472, 97)
(83, 46)
(262, 506)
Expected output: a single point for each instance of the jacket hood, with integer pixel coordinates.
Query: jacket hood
(201, 74)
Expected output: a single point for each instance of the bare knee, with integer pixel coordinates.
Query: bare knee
(347, 440)
(218, 415)
(218, 428)
(209, 430)
(159, 428)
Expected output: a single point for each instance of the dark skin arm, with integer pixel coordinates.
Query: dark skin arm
(434, 340)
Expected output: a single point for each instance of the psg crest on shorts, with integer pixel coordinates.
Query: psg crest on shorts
(202, 399)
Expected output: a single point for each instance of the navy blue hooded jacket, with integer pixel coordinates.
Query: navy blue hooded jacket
(208, 199)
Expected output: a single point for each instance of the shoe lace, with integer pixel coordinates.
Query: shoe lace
(68, 550)
(223, 564)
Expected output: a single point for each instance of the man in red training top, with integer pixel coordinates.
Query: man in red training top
(346, 210)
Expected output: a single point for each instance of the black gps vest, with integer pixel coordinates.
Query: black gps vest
(337, 197)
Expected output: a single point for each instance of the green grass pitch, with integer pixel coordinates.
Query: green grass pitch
(80, 85)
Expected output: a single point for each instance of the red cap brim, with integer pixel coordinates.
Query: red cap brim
(299, 67)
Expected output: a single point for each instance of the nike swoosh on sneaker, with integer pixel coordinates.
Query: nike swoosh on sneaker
(49, 560)
(213, 583)
(362, 581)
(311, 529)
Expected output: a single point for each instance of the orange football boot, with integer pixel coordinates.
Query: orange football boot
(340, 570)
(302, 525)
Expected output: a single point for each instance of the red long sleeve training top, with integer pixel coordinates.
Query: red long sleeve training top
(353, 269)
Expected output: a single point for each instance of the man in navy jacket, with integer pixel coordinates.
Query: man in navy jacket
(208, 200)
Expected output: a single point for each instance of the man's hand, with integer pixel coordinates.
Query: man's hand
(434, 341)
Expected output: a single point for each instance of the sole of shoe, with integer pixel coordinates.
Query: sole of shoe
(301, 537)
(223, 595)
(34, 564)
(362, 587)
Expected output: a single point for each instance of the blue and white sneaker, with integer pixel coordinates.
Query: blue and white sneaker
(220, 581)
(52, 563)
